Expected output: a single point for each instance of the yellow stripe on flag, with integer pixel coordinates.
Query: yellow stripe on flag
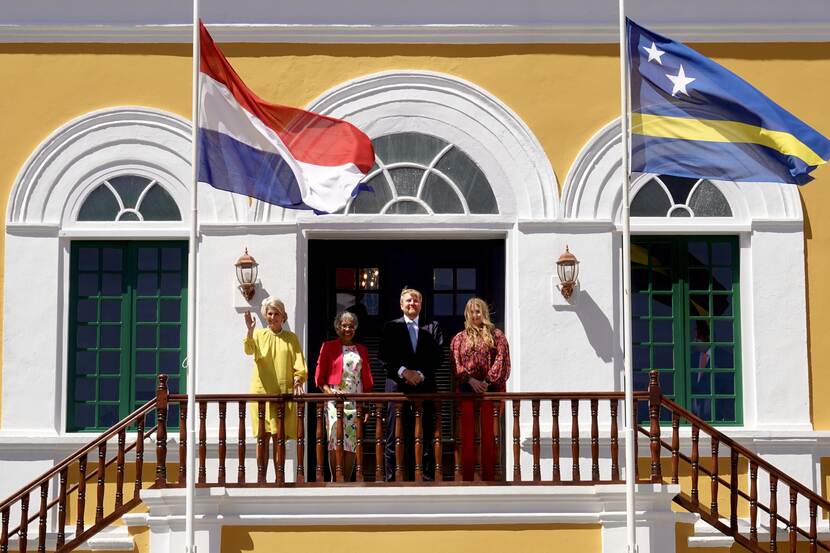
(712, 130)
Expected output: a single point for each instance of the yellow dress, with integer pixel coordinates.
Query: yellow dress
(278, 360)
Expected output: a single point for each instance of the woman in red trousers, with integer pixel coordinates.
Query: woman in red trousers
(482, 364)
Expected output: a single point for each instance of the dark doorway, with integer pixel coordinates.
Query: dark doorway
(366, 276)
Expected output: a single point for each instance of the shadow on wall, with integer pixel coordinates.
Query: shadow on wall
(598, 328)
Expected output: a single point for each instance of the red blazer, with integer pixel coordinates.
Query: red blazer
(330, 365)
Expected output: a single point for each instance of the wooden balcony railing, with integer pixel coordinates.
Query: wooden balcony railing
(688, 466)
(569, 443)
(581, 433)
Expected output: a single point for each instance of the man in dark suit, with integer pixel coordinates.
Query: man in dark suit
(410, 352)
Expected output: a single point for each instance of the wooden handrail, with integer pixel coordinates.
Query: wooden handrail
(393, 396)
(723, 439)
(106, 436)
(778, 518)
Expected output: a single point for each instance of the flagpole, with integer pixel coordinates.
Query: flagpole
(193, 243)
(630, 453)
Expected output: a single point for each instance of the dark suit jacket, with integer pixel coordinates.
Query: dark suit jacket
(396, 352)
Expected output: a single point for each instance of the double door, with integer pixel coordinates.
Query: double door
(367, 276)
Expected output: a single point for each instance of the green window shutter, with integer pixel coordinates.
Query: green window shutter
(686, 324)
(126, 326)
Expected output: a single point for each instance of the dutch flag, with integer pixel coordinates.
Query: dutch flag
(281, 155)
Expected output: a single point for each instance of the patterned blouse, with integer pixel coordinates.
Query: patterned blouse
(482, 362)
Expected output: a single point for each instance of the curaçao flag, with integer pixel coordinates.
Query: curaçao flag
(281, 155)
(691, 117)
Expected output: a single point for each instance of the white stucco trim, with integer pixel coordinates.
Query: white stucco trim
(412, 505)
(461, 113)
(375, 21)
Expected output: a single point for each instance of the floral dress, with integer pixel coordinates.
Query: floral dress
(349, 384)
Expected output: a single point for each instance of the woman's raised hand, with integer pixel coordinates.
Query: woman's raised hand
(250, 323)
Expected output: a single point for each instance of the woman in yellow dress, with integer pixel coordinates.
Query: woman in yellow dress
(279, 367)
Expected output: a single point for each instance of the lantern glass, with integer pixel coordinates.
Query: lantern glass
(246, 273)
(566, 271)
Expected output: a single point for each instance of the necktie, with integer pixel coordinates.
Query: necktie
(413, 334)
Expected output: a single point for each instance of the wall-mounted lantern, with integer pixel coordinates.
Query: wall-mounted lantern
(246, 273)
(567, 267)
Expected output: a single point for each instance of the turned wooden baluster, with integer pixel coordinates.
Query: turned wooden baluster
(419, 441)
(161, 432)
(279, 444)
(695, 495)
(773, 513)
(517, 468)
(358, 454)
(300, 478)
(261, 444)
(497, 469)
(79, 524)
(379, 462)
(202, 442)
(319, 433)
(119, 469)
(575, 439)
(61, 539)
(459, 436)
(654, 396)
(675, 448)
(4, 533)
(338, 466)
(101, 471)
(41, 515)
(182, 444)
(222, 446)
(813, 536)
(477, 440)
(594, 441)
(733, 490)
(139, 458)
(793, 522)
(753, 502)
(241, 443)
(437, 449)
(554, 408)
(615, 442)
(536, 441)
(23, 533)
(398, 442)
(714, 477)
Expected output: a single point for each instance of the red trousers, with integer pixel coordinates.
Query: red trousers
(468, 429)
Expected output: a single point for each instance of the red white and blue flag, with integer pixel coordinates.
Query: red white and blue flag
(278, 154)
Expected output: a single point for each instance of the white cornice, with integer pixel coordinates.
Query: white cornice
(415, 34)
(425, 505)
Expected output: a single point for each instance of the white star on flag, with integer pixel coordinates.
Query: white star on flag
(680, 81)
(654, 53)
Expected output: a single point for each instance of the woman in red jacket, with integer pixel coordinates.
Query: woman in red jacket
(343, 368)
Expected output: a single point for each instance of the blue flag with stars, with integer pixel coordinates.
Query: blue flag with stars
(691, 117)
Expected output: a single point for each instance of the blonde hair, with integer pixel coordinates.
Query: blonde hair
(475, 334)
(273, 302)
(411, 292)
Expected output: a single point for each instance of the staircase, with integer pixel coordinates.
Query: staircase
(729, 502)
(781, 519)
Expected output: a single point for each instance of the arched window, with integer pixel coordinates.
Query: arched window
(416, 173)
(129, 198)
(666, 196)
